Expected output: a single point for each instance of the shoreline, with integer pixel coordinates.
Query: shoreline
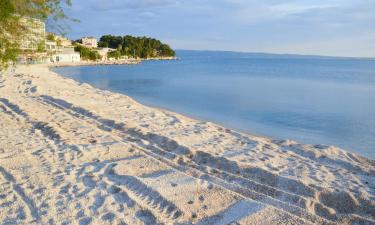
(93, 63)
(223, 126)
(360, 151)
(110, 145)
(109, 62)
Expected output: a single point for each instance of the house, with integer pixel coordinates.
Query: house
(63, 41)
(90, 42)
(37, 48)
(60, 40)
(103, 52)
(32, 43)
(66, 55)
(51, 46)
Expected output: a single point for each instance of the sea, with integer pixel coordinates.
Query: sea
(310, 99)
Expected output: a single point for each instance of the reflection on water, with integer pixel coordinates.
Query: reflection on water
(311, 100)
(127, 84)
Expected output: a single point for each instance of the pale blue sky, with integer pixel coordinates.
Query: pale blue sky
(320, 27)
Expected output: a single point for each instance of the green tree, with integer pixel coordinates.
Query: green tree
(11, 29)
(41, 46)
(87, 53)
(50, 37)
(114, 54)
(10, 34)
(141, 47)
(119, 47)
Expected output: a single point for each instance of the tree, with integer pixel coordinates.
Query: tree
(41, 46)
(119, 47)
(9, 32)
(87, 53)
(140, 47)
(11, 29)
(114, 54)
(50, 37)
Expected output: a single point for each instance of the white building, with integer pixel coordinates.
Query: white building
(51, 46)
(32, 42)
(103, 52)
(63, 41)
(34, 38)
(59, 40)
(66, 55)
(90, 42)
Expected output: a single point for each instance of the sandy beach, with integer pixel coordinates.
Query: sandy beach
(73, 154)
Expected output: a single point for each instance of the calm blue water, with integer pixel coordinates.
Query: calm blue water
(308, 99)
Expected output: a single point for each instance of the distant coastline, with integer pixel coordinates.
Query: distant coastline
(280, 55)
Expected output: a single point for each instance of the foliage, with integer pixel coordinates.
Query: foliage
(11, 29)
(114, 54)
(140, 47)
(78, 41)
(9, 33)
(50, 37)
(87, 53)
(41, 47)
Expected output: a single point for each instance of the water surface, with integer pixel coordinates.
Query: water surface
(312, 100)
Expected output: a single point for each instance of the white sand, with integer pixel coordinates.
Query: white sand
(73, 154)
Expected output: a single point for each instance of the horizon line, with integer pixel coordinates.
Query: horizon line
(281, 54)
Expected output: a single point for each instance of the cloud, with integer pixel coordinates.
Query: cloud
(106, 5)
(147, 15)
(292, 9)
(299, 26)
(252, 11)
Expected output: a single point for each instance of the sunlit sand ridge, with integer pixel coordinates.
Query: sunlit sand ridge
(73, 154)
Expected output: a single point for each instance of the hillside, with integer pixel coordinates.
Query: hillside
(141, 47)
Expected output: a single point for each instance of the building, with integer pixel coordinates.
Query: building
(34, 38)
(35, 48)
(60, 50)
(90, 42)
(32, 43)
(64, 42)
(60, 40)
(66, 55)
(55, 43)
(103, 52)
(51, 46)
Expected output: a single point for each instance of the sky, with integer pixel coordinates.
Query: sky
(314, 27)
